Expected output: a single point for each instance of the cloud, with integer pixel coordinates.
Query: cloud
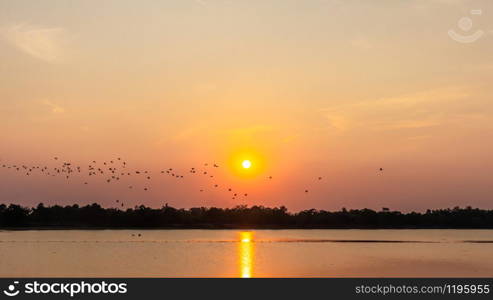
(338, 122)
(201, 2)
(250, 130)
(408, 124)
(42, 43)
(413, 111)
(362, 43)
(56, 109)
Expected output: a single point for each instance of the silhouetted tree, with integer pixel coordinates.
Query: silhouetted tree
(237, 217)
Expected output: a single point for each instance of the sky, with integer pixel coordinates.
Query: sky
(304, 89)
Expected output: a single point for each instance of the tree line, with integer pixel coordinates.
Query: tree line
(95, 216)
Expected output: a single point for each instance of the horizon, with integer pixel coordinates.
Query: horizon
(116, 206)
(314, 104)
(94, 216)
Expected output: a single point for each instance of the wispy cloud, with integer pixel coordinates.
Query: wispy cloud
(54, 108)
(419, 110)
(362, 43)
(44, 43)
(201, 2)
(251, 130)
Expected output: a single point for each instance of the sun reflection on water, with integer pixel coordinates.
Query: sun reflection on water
(246, 250)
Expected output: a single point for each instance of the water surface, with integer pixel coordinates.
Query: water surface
(257, 253)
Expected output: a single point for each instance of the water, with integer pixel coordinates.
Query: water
(258, 253)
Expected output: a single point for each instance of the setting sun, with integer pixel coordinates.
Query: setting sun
(246, 164)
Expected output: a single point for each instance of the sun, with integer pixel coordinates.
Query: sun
(246, 164)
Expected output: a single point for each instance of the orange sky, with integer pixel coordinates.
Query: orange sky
(303, 89)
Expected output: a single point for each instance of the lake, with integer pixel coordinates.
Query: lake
(256, 253)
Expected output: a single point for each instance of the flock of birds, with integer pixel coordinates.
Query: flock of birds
(114, 171)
